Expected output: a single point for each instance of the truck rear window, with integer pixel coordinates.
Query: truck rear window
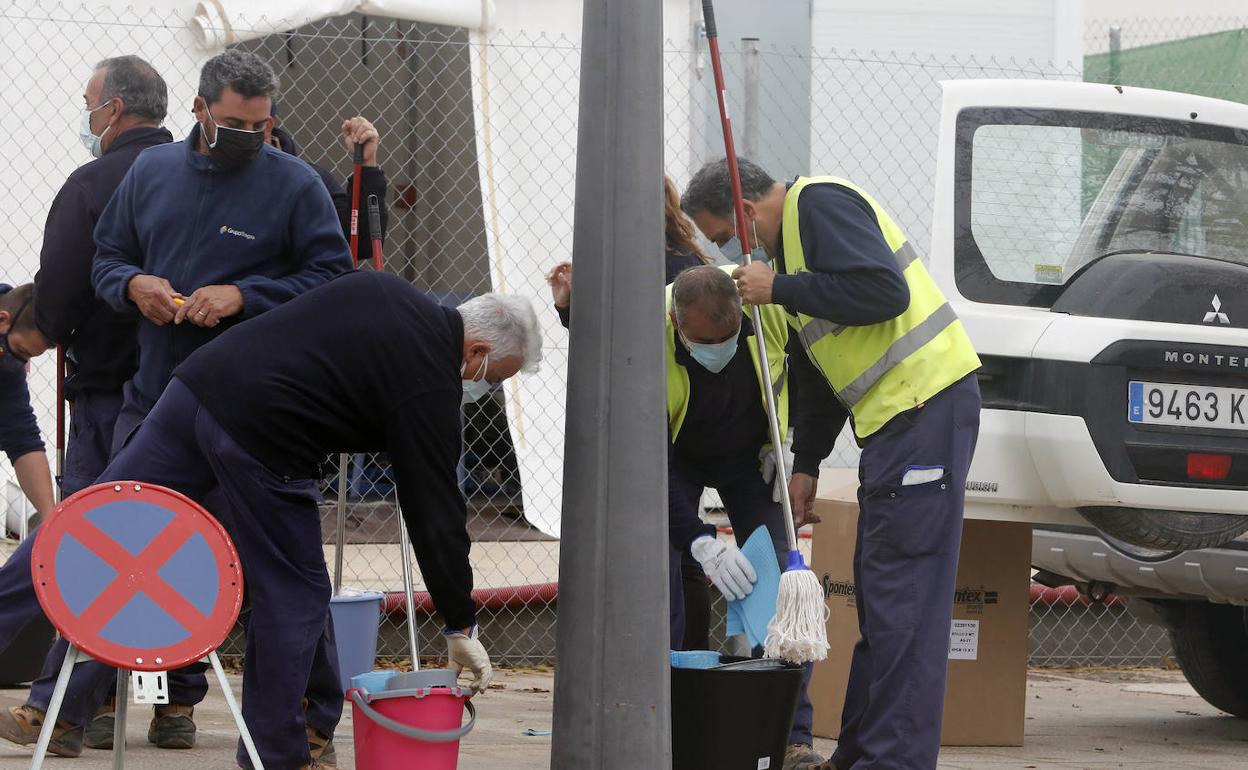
(1042, 193)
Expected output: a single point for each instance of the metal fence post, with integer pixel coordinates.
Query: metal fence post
(612, 688)
(1115, 53)
(749, 133)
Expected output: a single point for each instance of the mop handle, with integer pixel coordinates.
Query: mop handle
(738, 205)
(357, 161)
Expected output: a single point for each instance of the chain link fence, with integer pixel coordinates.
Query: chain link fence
(478, 141)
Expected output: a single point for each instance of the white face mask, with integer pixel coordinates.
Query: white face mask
(90, 140)
(475, 388)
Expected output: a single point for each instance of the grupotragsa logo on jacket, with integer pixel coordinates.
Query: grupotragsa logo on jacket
(227, 230)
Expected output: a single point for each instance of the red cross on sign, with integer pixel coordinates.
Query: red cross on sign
(137, 576)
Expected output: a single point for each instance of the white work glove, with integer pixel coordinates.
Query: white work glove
(725, 565)
(767, 465)
(466, 652)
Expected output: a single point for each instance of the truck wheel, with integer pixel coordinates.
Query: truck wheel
(1211, 645)
(1166, 530)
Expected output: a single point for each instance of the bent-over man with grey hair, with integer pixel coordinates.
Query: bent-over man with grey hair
(367, 363)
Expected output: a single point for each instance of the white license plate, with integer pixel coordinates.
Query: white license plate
(1159, 403)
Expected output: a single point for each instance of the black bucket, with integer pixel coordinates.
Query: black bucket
(736, 716)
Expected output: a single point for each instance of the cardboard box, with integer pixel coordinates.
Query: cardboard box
(987, 686)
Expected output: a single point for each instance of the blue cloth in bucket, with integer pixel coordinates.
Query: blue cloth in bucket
(751, 615)
(372, 681)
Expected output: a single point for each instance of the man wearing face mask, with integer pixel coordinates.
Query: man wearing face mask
(876, 343)
(717, 423)
(212, 230)
(125, 101)
(377, 365)
(20, 341)
(199, 235)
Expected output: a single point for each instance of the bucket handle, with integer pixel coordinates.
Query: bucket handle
(407, 731)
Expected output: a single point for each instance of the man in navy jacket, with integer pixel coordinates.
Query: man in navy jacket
(19, 433)
(212, 230)
(125, 101)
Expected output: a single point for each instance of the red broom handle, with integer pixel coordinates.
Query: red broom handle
(738, 204)
(721, 92)
(357, 172)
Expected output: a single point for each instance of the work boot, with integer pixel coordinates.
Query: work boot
(21, 725)
(173, 727)
(321, 747)
(99, 733)
(799, 756)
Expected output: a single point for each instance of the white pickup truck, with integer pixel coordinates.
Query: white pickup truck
(1094, 240)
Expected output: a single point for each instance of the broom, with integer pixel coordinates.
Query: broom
(798, 631)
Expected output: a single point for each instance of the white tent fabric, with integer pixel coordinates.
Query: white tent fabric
(219, 23)
(526, 157)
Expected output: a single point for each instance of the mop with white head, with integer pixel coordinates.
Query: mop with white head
(797, 633)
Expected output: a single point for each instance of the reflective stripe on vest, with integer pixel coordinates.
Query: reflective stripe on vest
(881, 370)
(775, 331)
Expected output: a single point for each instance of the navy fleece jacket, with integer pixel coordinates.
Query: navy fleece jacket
(268, 228)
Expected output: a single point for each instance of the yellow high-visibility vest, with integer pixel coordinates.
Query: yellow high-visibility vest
(884, 369)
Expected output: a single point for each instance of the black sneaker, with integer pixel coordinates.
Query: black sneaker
(799, 756)
(173, 727)
(99, 732)
(321, 747)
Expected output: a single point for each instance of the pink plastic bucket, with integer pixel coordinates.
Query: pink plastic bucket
(412, 727)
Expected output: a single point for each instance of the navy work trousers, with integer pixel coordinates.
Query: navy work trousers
(90, 443)
(275, 524)
(905, 568)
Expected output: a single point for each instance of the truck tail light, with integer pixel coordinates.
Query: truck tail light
(1208, 467)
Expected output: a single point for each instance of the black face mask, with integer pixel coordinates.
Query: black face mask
(10, 361)
(234, 147)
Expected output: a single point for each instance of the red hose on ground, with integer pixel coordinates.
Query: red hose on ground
(505, 598)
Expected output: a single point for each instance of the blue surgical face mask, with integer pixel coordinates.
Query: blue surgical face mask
(89, 139)
(475, 388)
(712, 357)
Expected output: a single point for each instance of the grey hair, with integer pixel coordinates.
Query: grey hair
(710, 289)
(508, 323)
(710, 190)
(247, 74)
(137, 84)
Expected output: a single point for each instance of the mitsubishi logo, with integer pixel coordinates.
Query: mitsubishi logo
(1216, 314)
